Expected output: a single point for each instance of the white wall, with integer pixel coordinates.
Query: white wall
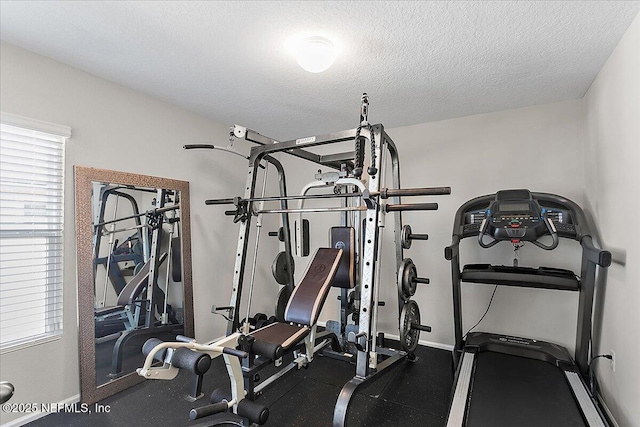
(612, 192)
(117, 128)
(538, 148)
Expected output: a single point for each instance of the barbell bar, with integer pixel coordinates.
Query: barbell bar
(384, 194)
(387, 208)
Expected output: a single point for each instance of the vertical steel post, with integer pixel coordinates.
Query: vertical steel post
(241, 250)
(367, 278)
(397, 215)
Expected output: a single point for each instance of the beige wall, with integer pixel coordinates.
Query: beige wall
(612, 191)
(117, 128)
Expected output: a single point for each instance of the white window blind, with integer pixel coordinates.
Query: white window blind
(31, 227)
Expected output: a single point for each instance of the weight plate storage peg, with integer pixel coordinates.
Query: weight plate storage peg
(405, 236)
(409, 326)
(407, 283)
(280, 269)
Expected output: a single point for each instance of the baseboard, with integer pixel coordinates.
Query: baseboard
(37, 415)
(606, 410)
(425, 343)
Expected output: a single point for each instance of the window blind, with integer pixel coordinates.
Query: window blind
(31, 235)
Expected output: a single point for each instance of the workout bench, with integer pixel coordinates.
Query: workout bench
(257, 349)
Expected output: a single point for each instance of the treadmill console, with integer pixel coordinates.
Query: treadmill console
(516, 216)
(515, 219)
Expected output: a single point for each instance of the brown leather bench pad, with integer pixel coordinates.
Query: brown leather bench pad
(308, 297)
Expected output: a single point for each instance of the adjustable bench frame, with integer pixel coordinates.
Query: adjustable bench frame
(261, 347)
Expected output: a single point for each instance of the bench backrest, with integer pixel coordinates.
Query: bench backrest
(308, 297)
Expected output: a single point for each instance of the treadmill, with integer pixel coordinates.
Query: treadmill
(504, 380)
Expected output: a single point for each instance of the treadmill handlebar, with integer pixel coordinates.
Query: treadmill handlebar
(597, 256)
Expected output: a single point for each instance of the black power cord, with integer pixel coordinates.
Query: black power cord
(485, 312)
(592, 380)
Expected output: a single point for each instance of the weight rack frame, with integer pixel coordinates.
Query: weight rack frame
(367, 367)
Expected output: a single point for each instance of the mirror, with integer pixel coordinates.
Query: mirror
(134, 272)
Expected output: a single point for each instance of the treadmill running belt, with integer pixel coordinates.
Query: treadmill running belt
(515, 391)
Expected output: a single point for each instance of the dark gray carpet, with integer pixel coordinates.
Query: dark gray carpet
(413, 394)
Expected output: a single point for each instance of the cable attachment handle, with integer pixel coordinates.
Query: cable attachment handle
(359, 150)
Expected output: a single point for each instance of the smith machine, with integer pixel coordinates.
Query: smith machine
(350, 263)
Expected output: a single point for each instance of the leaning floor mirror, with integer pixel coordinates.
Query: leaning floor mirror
(134, 273)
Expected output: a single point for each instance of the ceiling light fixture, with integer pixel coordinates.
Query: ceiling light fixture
(315, 54)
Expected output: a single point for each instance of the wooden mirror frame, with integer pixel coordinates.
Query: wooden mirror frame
(84, 176)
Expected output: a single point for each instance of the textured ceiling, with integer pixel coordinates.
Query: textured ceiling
(419, 61)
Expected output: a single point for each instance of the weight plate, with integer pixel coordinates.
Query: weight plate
(283, 300)
(407, 274)
(409, 336)
(405, 238)
(280, 269)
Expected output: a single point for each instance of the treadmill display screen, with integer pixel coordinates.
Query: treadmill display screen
(514, 207)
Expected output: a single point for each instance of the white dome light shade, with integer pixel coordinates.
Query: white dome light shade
(315, 54)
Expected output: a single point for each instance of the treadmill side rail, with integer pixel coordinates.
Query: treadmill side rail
(460, 396)
(589, 410)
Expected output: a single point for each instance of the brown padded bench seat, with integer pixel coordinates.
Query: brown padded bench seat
(303, 308)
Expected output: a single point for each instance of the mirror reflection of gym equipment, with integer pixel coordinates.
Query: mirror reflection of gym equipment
(137, 269)
(350, 260)
(134, 272)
